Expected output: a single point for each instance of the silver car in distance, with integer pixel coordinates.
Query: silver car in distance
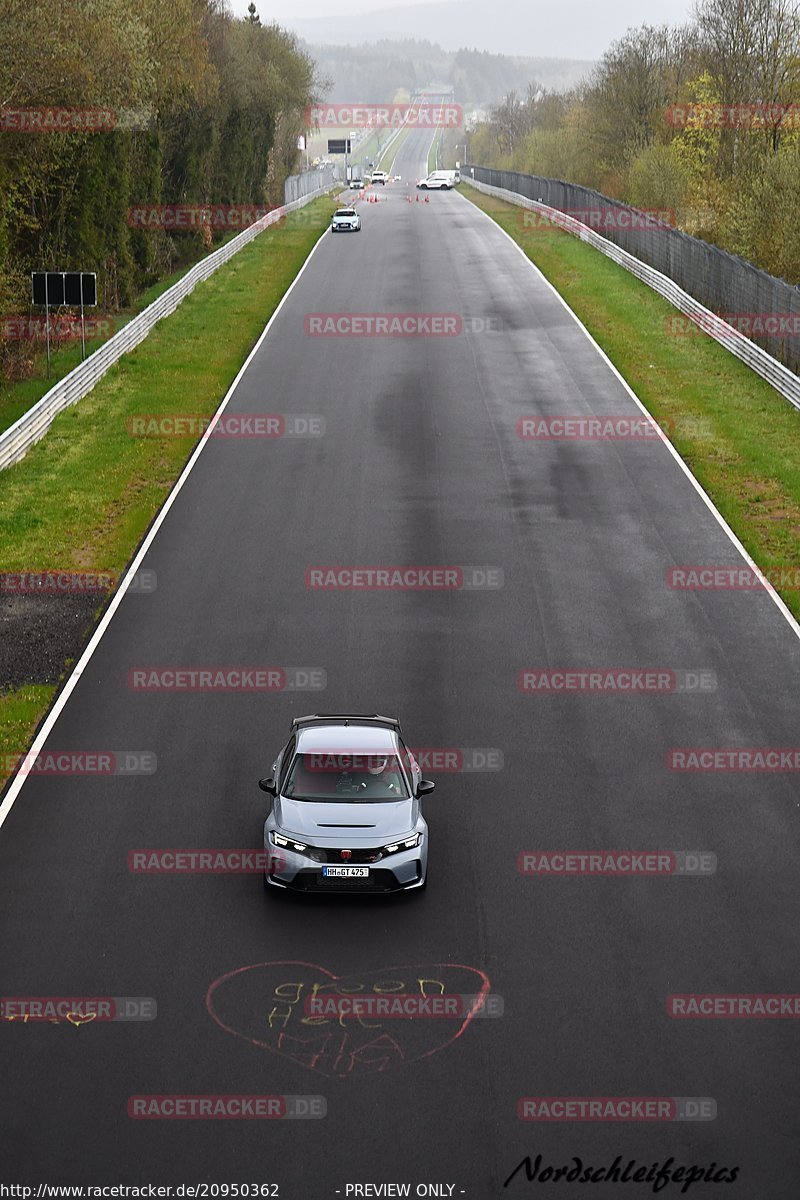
(345, 220)
(346, 814)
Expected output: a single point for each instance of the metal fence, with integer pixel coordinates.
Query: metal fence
(782, 378)
(16, 441)
(760, 306)
(297, 187)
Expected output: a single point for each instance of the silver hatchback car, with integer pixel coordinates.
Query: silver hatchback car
(346, 813)
(345, 220)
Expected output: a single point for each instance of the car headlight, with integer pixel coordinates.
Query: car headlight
(279, 840)
(403, 844)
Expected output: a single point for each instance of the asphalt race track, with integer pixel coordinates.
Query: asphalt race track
(420, 464)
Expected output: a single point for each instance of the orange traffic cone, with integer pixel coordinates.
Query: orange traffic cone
(427, 199)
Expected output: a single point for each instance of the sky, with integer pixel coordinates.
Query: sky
(268, 10)
(579, 29)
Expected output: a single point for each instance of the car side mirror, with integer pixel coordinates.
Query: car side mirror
(425, 787)
(268, 785)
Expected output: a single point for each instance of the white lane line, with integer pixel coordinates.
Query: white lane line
(709, 503)
(19, 781)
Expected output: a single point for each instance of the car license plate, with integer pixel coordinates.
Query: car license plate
(345, 872)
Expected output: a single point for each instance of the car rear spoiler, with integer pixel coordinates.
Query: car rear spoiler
(358, 718)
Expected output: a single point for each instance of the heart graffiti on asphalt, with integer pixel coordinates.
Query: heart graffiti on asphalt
(80, 1018)
(276, 1006)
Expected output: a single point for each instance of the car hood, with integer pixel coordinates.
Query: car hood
(327, 823)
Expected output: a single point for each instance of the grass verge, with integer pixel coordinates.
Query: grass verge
(16, 398)
(83, 497)
(371, 149)
(387, 161)
(738, 436)
(21, 710)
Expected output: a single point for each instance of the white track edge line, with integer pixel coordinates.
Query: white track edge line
(695, 484)
(18, 781)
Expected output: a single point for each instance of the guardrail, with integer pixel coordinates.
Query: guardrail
(780, 377)
(16, 441)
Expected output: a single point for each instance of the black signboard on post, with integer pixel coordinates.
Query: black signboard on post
(76, 288)
(65, 287)
(338, 145)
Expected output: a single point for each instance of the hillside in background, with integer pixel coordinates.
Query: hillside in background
(378, 71)
(532, 29)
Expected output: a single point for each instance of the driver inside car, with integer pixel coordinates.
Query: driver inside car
(379, 779)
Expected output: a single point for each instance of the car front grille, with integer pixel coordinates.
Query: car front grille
(314, 881)
(358, 857)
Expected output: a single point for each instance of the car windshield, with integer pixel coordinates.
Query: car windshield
(346, 212)
(342, 777)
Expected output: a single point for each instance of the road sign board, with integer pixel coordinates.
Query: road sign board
(64, 287)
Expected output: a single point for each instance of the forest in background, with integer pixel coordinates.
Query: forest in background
(378, 71)
(649, 127)
(208, 111)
